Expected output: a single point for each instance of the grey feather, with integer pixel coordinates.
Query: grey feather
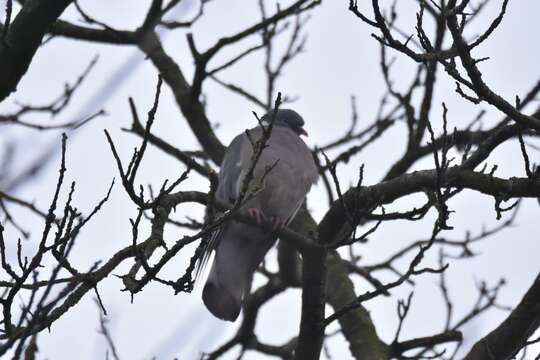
(239, 247)
(227, 191)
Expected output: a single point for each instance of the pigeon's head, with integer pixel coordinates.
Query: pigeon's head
(288, 118)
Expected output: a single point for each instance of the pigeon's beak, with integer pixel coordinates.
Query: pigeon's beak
(301, 131)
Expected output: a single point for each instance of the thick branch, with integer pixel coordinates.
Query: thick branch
(357, 326)
(387, 191)
(23, 39)
(311, 336)
(509, 337)
(192, 109)
(119, 37)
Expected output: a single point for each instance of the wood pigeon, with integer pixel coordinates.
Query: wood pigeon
(240, 247)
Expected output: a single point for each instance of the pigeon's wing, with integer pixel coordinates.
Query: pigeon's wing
(230, 179)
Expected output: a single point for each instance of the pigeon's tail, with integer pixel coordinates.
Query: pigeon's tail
(239, 252)
(221, 301)
(227, 281)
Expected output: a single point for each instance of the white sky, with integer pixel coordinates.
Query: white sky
(341, 59)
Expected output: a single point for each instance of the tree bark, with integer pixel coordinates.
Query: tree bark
(356, 326)
(23, 38)
(311, 336)
(509, 337)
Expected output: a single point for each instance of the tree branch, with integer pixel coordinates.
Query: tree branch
(23, 38)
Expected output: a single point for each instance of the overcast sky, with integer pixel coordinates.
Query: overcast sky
(341, 60)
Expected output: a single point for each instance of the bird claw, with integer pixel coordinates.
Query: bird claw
(258, 215)
(277, 223)
(274, 221)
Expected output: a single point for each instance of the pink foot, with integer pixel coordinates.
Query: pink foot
(277, 223)
(258, 215)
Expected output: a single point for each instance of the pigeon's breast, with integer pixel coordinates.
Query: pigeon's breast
(289, 172)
